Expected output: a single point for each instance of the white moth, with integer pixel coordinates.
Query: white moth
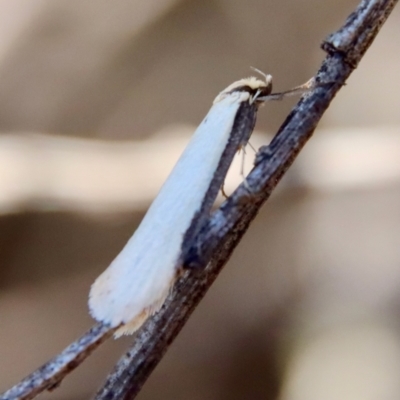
(137, 282)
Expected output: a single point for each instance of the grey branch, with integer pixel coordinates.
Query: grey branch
(228, 224)
(223, 231)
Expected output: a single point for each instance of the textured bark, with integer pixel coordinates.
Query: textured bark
(228, 224)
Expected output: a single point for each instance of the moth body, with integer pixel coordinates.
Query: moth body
(137, 282)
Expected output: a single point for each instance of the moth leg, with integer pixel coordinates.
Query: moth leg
(242, 165)
(252, 147)
(223, 190)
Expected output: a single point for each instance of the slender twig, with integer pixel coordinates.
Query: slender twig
(50, 375)
(227, 225)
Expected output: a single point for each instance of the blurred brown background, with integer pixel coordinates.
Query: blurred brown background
(98, 98)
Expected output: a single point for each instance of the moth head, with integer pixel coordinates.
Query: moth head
(253, 86)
